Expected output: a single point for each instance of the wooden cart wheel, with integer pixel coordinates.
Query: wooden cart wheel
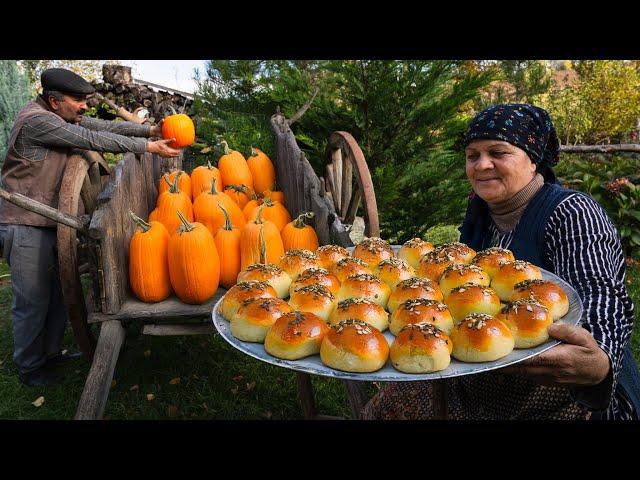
(83, 179)
(344, 157)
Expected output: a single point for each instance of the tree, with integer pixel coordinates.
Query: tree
(15, 92)
(88, 69)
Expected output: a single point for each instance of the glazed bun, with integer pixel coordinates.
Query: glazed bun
(363, 309)
(315, 298)
(243, 291)
(412, 289)
(297, 260)
(511, 273)
(470, 298)
(460, 273)
(270, 273)
(393, 270)
(413, 250)
(295, 335)
(481, 338)
(491, 259)
(365, 285)
(329, 255)
(421, 348)
(354, 346)
(458, 249)
(528, 321)
(433, 264)
(255, 317)
(316, 275)
(547, 293)
(372, 251)
(421, 311)
(347, 267)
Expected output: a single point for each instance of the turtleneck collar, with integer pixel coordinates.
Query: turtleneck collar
(507, 214)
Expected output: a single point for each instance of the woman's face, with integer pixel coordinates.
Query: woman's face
(497, 170)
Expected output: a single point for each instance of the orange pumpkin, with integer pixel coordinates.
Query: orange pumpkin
(194, 265)
(238, 193)
(251, 205)
(169, 203)
(184, 182)
(262, 170)
(153, 215)
(228, 245)
(260, 242)
(274, 212)
(148, 263)
(180, 127)
(275, 195)
(297, 235)
(206, 211)
(233, 168)
(201, 179)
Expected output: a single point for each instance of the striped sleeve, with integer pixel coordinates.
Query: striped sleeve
(128, 129)
(585, 249)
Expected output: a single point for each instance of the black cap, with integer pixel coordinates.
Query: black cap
(65, 81)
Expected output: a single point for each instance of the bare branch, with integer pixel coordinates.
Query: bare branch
(296, 116)
(622, 147)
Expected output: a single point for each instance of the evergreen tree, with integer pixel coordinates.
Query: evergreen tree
(15, 93)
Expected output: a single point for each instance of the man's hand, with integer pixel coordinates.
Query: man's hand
(577, 361)
(162, 148)
(156, 130)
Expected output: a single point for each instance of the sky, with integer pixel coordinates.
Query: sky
(176, 74)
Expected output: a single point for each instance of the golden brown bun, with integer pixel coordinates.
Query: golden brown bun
(511, 273)
(255, 317)
(413, 250)
(296, 261)
(329, 255)
(347, 267)
(295, 335)
(365, 285)
(270, 273)
(421, 348)
(372, 251)
(316, 299)
(320, 276)
(434, 263)
(469, 298)
(412, 289)
(547, 293)
(354, 346)
(481, 338)
(421, 311)
(393, 270)
(363, 309)
(490, 259)
(244, 291)
(528, 321)
(458, 274)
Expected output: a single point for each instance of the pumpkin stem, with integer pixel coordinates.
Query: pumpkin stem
(227, 220)
(173, 110)
(227, 150)
(237, 188)
(144, 226)
(263, 246)
(186, 226)
(299, 222)
(268, 202)
(253, 194)
(259, 215)
(253, 152)
(173, 187)
(209, 166)
(213, 187)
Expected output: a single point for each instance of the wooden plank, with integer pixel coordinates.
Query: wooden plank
(305, 391)
(179, 329)
(336, 157)
(347, 180)
(357, 397)
(42, 209)
(96, 388)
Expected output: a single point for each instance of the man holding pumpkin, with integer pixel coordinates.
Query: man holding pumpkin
(43, 136)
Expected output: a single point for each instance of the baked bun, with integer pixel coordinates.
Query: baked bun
(243, 291)
(511, 273)
(347, 267)
(421, 311)
(365, 285)
(270, 273)
(363, 309)
(255, 317)
(315, 298)
(297, 260)
(394, 270)
(458, 249)
(470, 298)
(528, 321)
(320, 276)
(295, 335)
(434, 263)
(490, 259)
(481, 338)
(354, 346)
(372, 251)
(329, 255)
(460, 273)
(413, 250)
(412, 289)
(421, 348)
(547, 293)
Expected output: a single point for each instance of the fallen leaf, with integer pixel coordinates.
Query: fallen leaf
(174, 381)
(205, 150)
(195, 376)
(204, 405)
(172, 411)
(113, 383)
(150, 396)
(238, 378)
(234, 390)
(267, 415)
(251, 386)
(38, 402)
(147, 353)
(134, 388)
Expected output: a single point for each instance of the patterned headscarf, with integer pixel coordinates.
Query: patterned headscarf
(525, 126)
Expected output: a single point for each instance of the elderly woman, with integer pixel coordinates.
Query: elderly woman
(517, 204)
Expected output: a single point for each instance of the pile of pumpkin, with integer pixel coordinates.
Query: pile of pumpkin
(210, 225)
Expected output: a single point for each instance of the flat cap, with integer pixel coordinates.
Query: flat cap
(65, 81)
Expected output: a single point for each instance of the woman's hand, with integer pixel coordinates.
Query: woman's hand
(579, 361)
(162, 148)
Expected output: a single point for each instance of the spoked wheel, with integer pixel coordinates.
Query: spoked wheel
(84, 177)
(348, 181)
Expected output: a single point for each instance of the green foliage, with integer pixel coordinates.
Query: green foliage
(15, 93)
(440, 234)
